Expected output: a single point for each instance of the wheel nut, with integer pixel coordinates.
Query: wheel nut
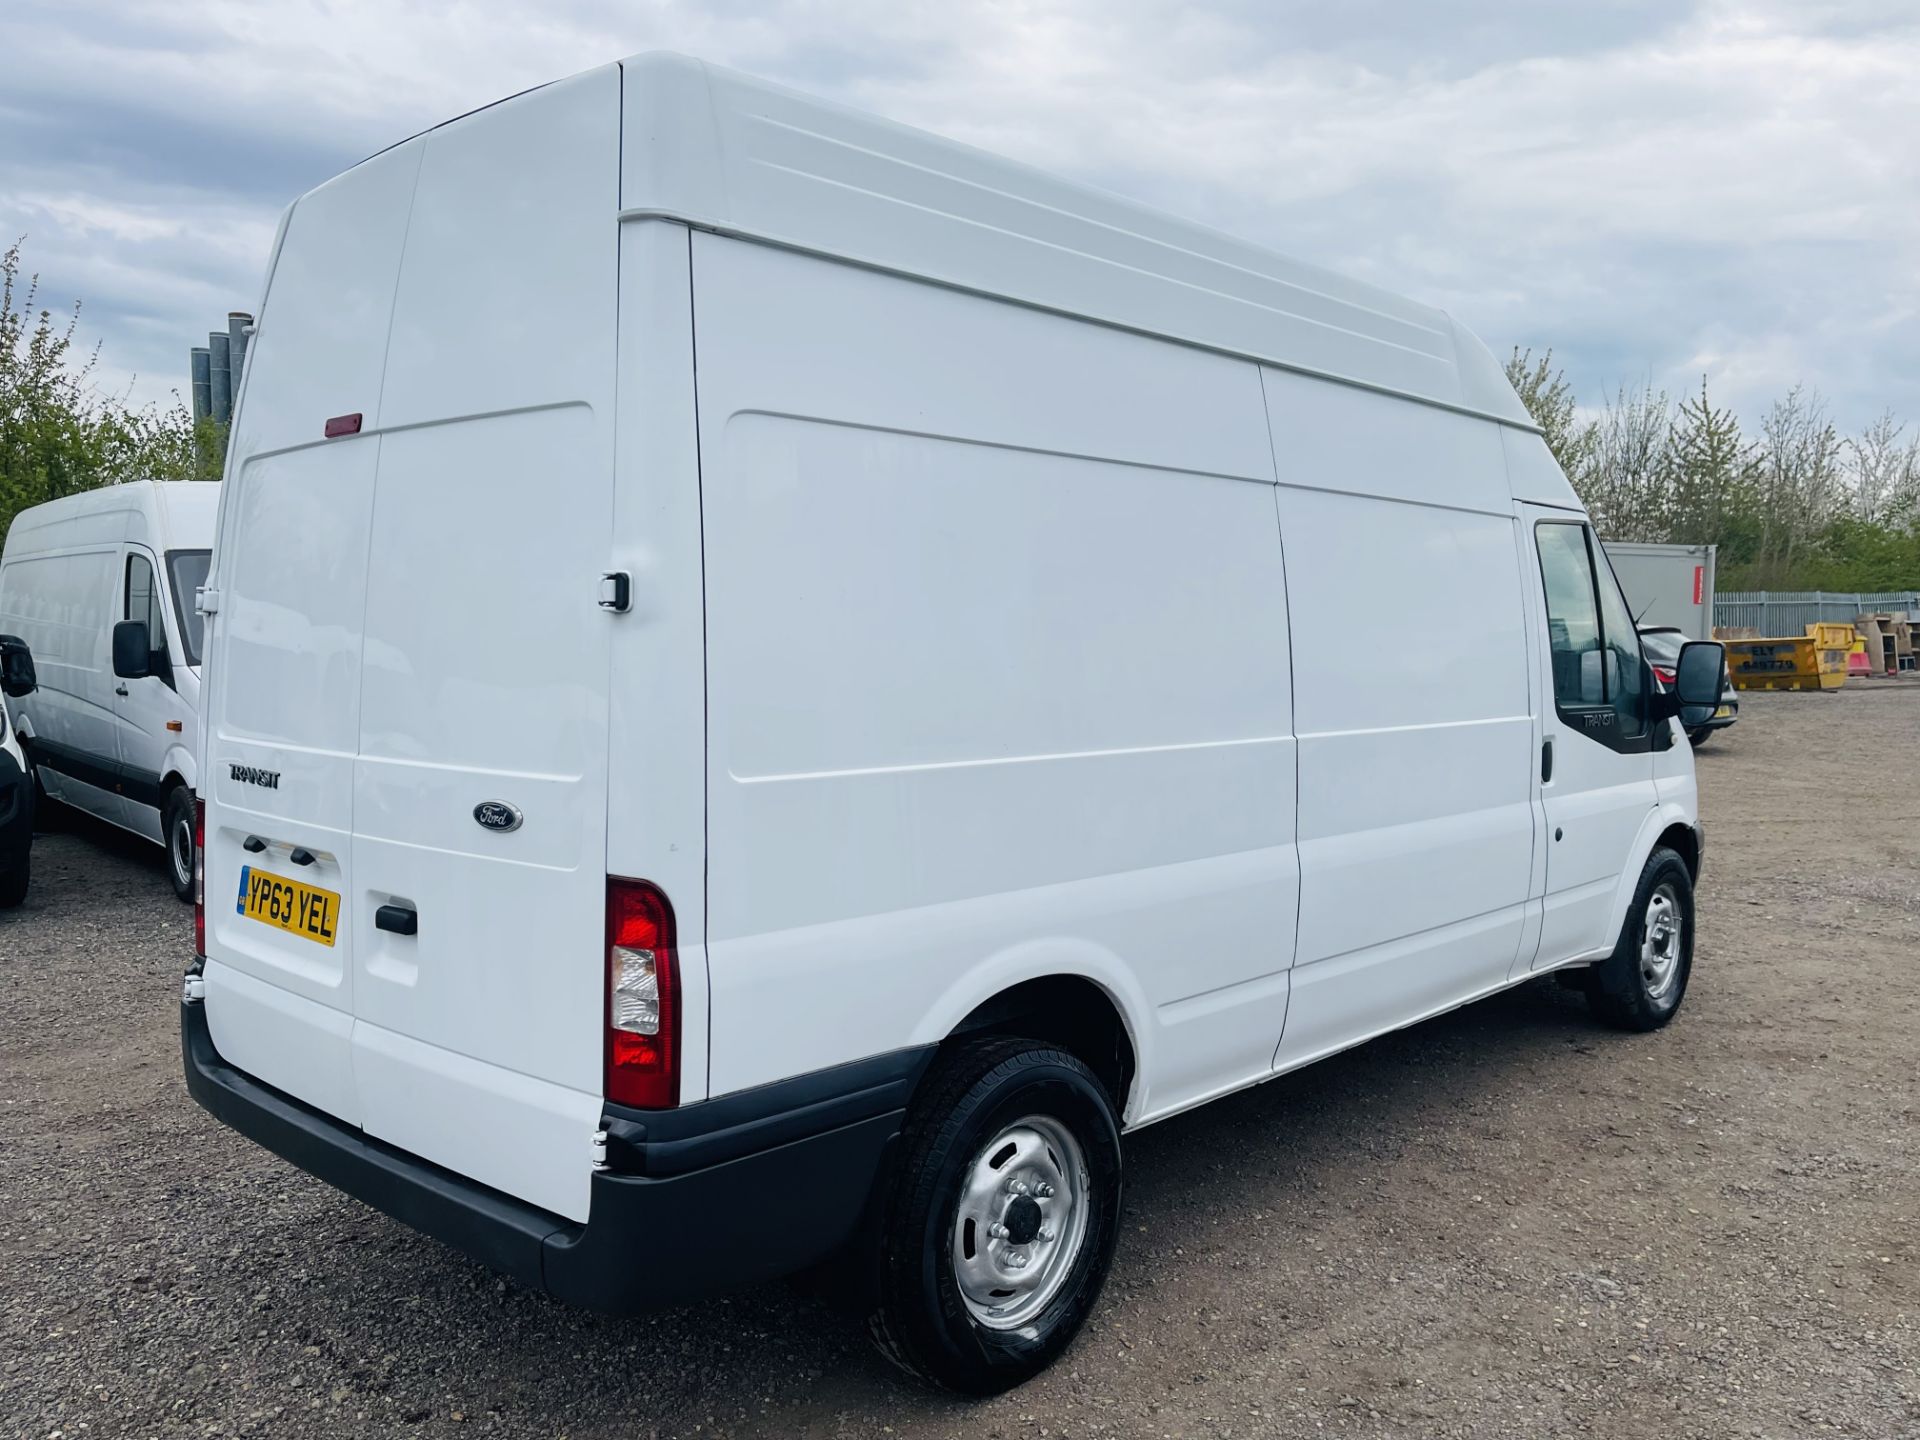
(1046, 1235)
(1017, 1187)
(998, 1231)
(1044, 1190)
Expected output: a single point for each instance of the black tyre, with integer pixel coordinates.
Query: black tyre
(1698, 736)
(1640, 986)
(13, 883)
(998, 1227)
(176, 825)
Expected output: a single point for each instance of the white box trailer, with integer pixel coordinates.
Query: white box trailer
(1667, 584)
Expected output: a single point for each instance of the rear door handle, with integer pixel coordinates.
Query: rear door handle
(119, 689)
(398, 919)
(1546, 760)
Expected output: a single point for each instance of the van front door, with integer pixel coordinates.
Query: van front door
(145, 709)
(1596, 762)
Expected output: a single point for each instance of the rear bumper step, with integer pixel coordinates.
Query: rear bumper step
(680, 1231)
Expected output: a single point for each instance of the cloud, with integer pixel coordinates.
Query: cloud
(1653, 188)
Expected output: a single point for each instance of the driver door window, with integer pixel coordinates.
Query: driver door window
(143, 603)
(1599, 680)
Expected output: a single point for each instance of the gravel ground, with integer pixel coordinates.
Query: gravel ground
(1507, 1221)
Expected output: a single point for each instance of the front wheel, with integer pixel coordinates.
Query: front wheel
(999, 1227)
(1640, 986)
(13, 883)
(177, 825)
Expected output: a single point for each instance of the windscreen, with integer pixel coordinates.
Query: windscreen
(188, 570)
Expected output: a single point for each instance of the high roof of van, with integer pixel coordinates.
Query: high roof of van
(165, 514)
(726, 152)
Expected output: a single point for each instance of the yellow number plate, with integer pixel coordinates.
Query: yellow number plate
(304, 910)
(1722, 712)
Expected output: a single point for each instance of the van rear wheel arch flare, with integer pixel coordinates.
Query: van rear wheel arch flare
(1072, 1011)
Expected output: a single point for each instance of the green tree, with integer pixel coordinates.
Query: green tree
(1549, 399)
(1714, 469)
(58, 433)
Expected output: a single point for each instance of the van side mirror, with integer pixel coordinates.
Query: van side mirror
(132, 651)
(1697, 677)
(17, 676)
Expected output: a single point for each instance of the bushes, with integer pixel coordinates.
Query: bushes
(58, 433)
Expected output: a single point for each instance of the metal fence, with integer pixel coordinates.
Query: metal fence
(1789, 612)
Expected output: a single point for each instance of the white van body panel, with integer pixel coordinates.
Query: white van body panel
(996, 556)
(987, 732)
(64, 584)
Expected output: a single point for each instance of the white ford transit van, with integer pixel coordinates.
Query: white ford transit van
(776, 683)
(100, 586)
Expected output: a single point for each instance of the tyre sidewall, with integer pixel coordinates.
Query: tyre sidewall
(955, 1347)
(1620, 980)
(179, 805)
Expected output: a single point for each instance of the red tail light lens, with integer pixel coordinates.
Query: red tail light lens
(1664, 676)
(643, 1011)
(200, 878)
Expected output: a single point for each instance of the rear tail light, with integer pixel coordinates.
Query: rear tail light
(643, 1010)
(1664, 676)
(200, 878)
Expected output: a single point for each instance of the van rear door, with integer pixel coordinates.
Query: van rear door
(465, 824)
(282, 716)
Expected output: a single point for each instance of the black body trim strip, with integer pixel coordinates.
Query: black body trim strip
(101, 774)
(712, 1132)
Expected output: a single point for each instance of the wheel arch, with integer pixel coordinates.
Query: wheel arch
(1072, 996)
(1667, 825)
(177, 768)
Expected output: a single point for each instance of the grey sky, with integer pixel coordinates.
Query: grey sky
(1653, 187)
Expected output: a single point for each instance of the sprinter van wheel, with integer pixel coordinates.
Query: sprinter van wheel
(1641, 985)
(999, 1226)
(177, 825)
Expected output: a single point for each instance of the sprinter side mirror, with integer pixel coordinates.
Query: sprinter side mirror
(17, 675)
(132, 651)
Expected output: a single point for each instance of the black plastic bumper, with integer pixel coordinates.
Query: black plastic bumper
(694, 1201)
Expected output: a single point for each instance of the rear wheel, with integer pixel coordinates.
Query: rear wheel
(999, 1227)
(13, 883)
(1640, 986)
(177, 825)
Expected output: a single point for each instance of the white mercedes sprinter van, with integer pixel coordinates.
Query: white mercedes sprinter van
(776, 683)
(100, 586)
(16, 785)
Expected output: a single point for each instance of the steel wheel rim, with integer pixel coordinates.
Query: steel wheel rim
(1661, 932)
(1021, 1222)
(182, 851)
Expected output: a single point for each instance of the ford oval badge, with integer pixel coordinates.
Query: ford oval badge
(496, 815)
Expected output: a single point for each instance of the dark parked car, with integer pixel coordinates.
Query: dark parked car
(1662, 646)
(16, 786)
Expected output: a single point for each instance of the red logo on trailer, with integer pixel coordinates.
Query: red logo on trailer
(1699, 580)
